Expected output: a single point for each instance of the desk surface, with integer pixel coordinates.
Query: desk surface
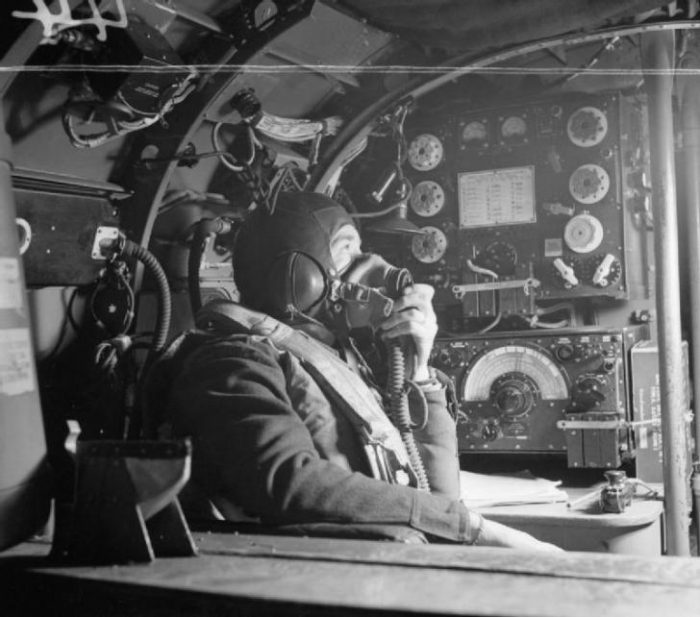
(272, 575)
(587, 514)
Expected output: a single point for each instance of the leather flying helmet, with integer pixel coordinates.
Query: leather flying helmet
(282, 262)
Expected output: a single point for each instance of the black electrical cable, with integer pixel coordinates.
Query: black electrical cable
(131, 249)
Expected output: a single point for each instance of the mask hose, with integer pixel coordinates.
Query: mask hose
(400, 413)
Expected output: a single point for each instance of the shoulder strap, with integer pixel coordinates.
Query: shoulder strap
(345, 387)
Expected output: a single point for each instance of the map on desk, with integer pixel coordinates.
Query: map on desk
(482, 490)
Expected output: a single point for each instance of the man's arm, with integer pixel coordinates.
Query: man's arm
(255, 450)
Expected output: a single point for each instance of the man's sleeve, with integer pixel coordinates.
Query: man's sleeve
(436, 437)
(251, 447)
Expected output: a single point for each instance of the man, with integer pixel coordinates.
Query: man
(288, 423)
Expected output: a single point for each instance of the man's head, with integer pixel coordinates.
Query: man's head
(306, 259)
(284, 263)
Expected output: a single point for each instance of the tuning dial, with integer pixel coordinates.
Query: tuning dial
(513, 394)
(589, 391)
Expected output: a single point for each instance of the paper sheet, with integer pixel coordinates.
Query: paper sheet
(481, 490)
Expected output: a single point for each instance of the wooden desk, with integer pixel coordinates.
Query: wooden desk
(636, 531)
(277, 576)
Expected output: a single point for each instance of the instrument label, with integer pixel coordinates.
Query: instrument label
(16, 362)
(10, 284)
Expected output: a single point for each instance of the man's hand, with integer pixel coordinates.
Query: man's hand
(413, 318)
(495, 534)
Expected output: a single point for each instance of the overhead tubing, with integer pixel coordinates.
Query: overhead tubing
(658, 54)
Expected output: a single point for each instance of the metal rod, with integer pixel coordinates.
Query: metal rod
(658, 55)
(690, 110)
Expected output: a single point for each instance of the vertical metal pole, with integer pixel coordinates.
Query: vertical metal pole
(690, 109)
(658, 51)
(24, 481)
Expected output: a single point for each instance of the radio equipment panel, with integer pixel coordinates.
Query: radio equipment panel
(535, 191)
(539, 392)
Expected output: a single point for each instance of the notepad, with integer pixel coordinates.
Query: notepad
(481, 490)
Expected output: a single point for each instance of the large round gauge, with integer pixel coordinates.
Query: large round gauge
(514, 128)
(427, 198)
(583, 233)
(512, 377)
(429, 246)
(475, 133)
(589, 184)
(425, 152)
(587, 127)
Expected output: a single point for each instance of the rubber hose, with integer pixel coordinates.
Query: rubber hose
(401, 415)
(131, 249)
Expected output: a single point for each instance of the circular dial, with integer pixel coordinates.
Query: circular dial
(583, 233)
(429, 246)
(603, 270)
(513, 128)
(425, 152)
(514, 394)
(589, 184)
(500, 257)
(538, 369)
(427, 198)
(587, 127)
(475, 133)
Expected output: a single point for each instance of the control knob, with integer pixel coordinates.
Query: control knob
(589, 391)
(490, 431)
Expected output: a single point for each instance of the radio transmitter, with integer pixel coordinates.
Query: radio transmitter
(544, 392)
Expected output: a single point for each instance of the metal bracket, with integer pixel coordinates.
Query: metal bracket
(591, 425)
(526, 284)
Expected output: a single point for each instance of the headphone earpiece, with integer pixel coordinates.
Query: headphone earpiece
(296, 283)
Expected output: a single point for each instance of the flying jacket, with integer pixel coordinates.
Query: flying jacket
(269, 443)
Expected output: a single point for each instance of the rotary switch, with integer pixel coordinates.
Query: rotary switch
(607, 271)
(565, 273)
(589, 391)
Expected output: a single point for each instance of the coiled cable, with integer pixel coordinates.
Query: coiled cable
(401, 415)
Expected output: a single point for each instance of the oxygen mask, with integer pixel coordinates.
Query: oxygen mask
(364, 294)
